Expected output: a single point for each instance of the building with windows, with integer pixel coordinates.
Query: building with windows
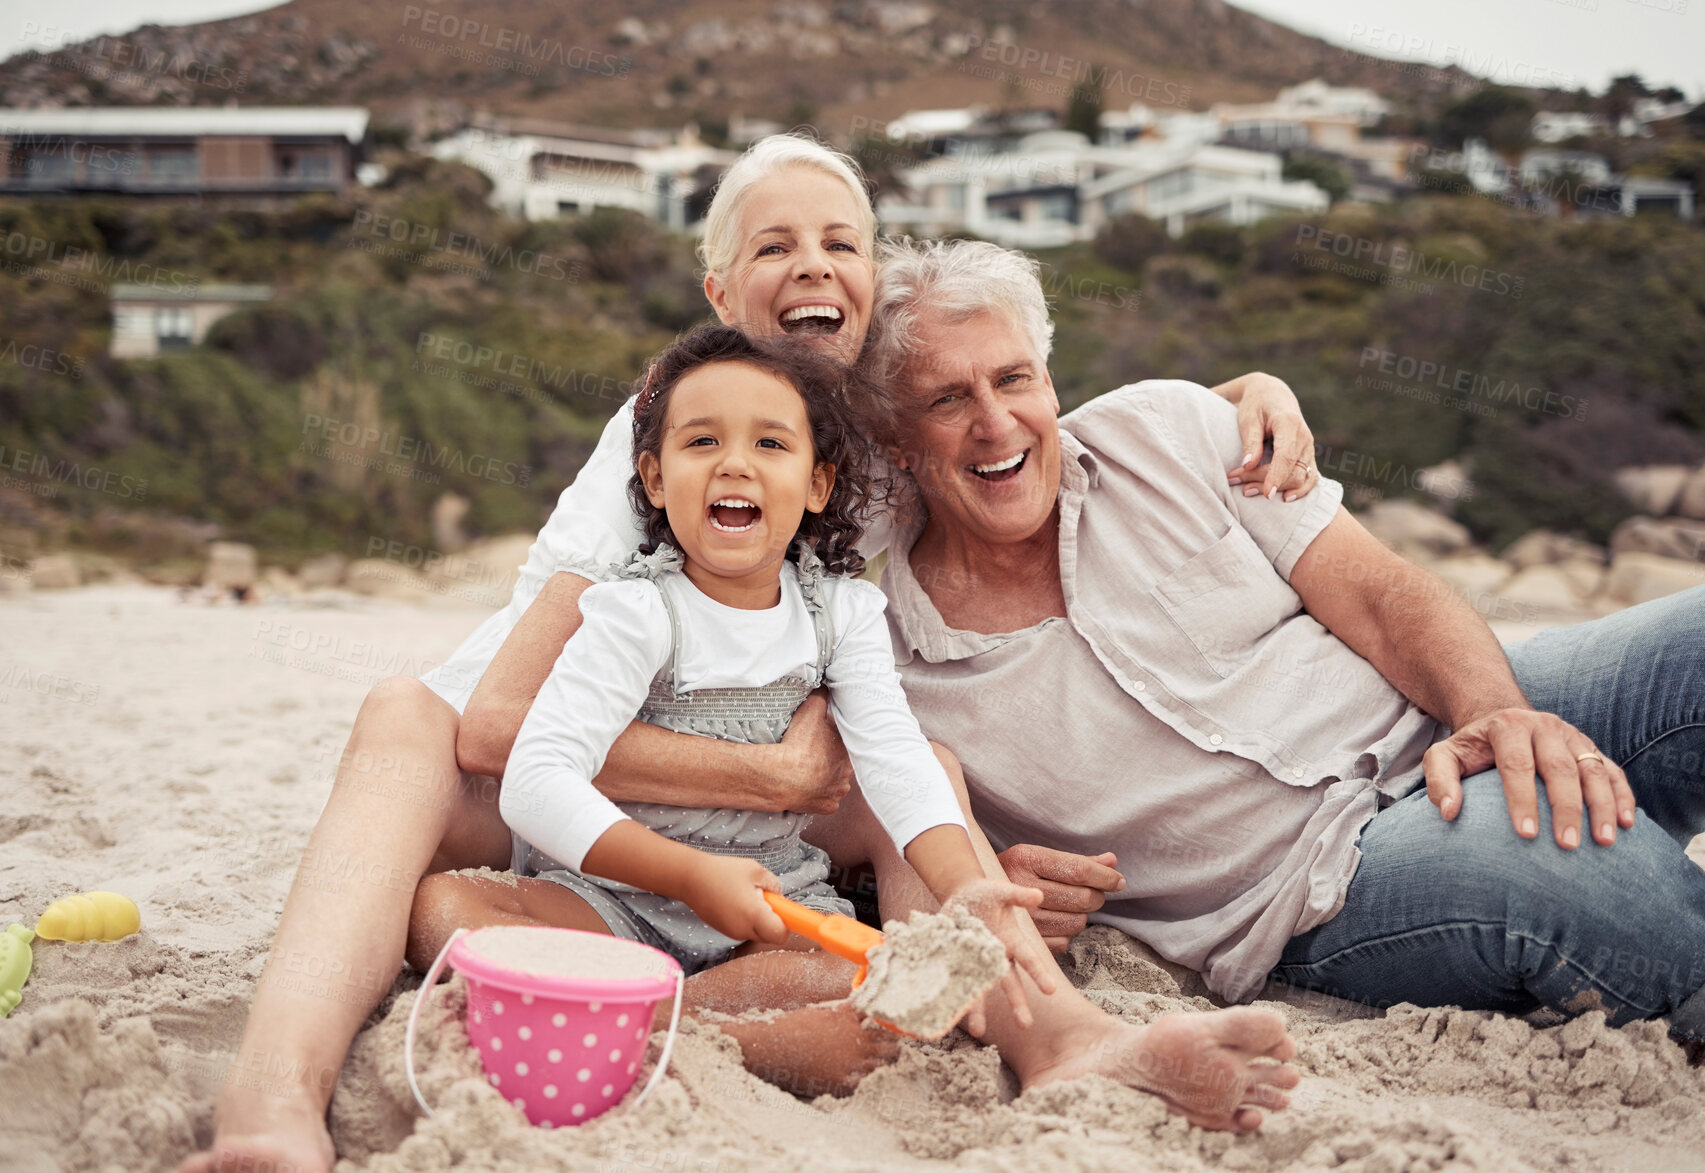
(147, 321)
(223, 151)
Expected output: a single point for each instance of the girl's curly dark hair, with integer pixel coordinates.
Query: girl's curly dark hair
(842, 410)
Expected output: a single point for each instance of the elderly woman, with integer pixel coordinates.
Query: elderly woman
(789, 247)
(1242, 697)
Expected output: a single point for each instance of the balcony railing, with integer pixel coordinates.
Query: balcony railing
(167, 185)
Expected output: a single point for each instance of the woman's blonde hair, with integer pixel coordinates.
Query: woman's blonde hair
(721, 242)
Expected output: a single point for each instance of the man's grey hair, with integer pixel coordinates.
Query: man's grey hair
(949, 281)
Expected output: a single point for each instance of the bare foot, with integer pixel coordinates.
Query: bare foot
(814, 1050)
(1203, 1065)
(265, 1133)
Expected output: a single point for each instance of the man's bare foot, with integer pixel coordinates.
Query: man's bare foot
(814, 1050)
(266, 1133)
(1205, 1066)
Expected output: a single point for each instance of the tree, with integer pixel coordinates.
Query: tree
(1328, 176)
(1083, 108)
(1129, 241)
(1503, 117)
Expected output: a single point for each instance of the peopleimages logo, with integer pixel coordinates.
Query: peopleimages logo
(1400, 258)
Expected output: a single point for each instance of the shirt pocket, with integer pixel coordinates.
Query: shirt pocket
(1225, 599)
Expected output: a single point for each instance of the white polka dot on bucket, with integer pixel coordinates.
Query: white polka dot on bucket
(478, 1018)
(578, 1110)
(554, 1055)
(524, 1033)
(520, 1069)
(546, 1124)
(550, 1091)
(621, 1020)
(559, 1020)
(526, 999)
(520, 1104)
(616, 1055)
(584, 1074)
(594, 1007)
(591, 1040)
(640, 1033)
(497, 1007)
(632, 1065)
(608, 1089)
(496, 1043)
(496, 1080)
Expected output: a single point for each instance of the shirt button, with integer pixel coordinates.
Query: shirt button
(1217, 739)
(1140, 686)
(1296, 773)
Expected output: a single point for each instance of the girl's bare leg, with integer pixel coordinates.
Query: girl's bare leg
(399, 808)
(817, 1045)
(1202, 1065)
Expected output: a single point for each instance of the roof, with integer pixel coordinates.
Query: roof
(100, 121)
(194, 293)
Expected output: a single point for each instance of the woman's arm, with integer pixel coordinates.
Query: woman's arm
(808, 771)
(1266, 406)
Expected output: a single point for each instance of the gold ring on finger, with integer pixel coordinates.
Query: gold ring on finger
(1593, 754)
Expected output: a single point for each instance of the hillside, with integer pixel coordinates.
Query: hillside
(659, 62)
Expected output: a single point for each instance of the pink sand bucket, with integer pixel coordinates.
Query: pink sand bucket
(560, 1017)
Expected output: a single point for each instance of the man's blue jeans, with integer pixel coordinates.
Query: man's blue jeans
(1470, 914)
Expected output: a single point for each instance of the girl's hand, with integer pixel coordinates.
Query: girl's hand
(1269, 407)
(1005, 909)
(725, 892)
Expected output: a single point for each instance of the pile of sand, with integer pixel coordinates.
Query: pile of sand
(188, 765)
(928, 971)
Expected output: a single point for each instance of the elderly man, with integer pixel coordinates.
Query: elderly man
(1239, 698)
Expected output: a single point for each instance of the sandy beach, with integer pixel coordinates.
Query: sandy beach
(179, 753)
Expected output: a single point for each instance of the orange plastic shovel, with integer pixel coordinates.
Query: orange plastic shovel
(841, 935)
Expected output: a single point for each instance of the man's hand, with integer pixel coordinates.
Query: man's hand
(816, 773)
(1000, 906)
(1072, 886)
(726, 892)
(1517, 741)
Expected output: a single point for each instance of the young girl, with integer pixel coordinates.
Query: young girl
(750, 468)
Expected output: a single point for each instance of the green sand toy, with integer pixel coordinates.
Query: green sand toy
(15, 962)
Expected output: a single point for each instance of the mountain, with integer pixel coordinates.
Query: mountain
(841, 65)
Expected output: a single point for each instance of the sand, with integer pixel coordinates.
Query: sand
(928, 971)
(171, 757)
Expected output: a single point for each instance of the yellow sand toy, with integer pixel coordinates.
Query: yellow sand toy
(15, 962)
(91, 916)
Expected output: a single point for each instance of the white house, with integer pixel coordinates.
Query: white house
(541, 172)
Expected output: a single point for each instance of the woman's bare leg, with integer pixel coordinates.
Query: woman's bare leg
(1200, 1064)
(399, 808)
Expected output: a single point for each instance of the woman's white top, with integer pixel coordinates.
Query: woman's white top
(593, 530)
(606, 670)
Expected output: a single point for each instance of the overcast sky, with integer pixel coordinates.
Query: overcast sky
(1564, 42)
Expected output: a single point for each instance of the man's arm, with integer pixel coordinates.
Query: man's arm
(1434, 647)
(807, 772)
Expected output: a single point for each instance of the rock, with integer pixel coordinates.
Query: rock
(387, 580)
(1473, 574)
(1586, 577)
(55, 572)
(231, 566)
(1691, 503)
(1446, 482)
(1541, 547)
(1653, 488)
(322, 570)
(1670, 537)
(447, 514)
(1414, 530)
(1545, 587)
(1639, 577)
(278, 583)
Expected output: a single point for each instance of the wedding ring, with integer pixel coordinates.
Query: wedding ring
(1581, 757)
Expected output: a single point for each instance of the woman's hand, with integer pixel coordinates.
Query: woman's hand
(1266, 406)
(1003, 907)
(726, 893)
(816, 772)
